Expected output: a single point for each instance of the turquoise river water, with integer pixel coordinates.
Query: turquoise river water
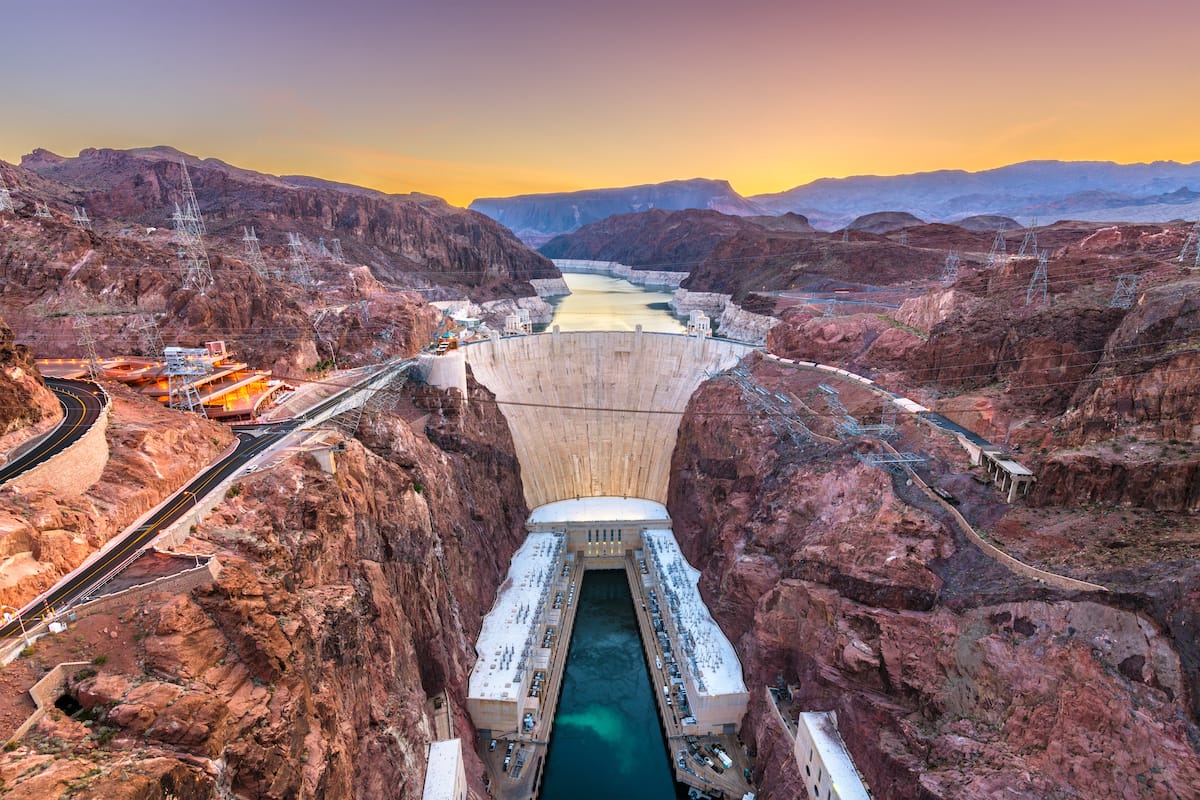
(607, 742)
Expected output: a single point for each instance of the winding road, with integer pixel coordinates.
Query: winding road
(252, 440)
(82, 404)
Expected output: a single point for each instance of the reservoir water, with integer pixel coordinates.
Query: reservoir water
(607, 742)
(603, 303)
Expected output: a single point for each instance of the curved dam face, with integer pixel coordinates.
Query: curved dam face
(596, 414)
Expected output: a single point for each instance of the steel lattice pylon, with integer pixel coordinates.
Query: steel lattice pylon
(254, 256)
(189, 233)
(1126, 292)
(6, 201)
(1029, 245)
(184, 365)
(999, 251)
(80, 218)
(950, 270)
(1040, 282)
(335, 247)
(299, 261)
(152, 344)
(1191, 244)
(88, 342)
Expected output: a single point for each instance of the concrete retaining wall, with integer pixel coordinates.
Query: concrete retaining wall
(179, 583)
(74, 470)
(46, 692)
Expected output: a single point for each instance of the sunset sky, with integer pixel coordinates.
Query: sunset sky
(470, 98)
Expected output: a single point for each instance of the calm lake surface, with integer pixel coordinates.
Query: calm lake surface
(607, 742)
(602, 303)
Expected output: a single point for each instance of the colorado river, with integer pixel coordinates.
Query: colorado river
(603, 303)
(607, 742)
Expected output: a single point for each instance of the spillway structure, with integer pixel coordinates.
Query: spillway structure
(594, 418)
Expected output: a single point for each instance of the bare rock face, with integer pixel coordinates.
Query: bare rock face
(52, 269)
(26, 405)
(396, 235)
(950, 676)
(152, 452)
(345, 602)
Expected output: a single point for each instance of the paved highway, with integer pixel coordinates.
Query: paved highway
(252, 440)
(82, 403)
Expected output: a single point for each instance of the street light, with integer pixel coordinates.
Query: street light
(9, 613)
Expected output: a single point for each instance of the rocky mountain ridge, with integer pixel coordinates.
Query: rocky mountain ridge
(1100, 191)
(410, 241)
(538, 217)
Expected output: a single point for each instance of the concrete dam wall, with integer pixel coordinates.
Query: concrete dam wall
(596, 414)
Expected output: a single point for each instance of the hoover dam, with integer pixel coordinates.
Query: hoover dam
(595, 414)
(594, 418)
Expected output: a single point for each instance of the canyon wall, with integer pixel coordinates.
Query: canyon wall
(951, 677)
(344, 604)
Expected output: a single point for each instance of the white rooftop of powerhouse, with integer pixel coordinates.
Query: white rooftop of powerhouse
(605, 509)
(505, 642)
(442, 770)
(843, 776)
(708, 654)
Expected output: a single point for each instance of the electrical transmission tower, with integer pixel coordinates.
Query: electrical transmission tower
(191, 206)
(184, 365)
(999, 251)
(189, 233)
(322, 250)
(1040, 281)
(950, 270)
(1126, 291)
(1192, 244)
(335, 247)
(87, 340)
(6, 202)
(904, 237)
(80, 218)
(1029, 243)
(846, 234)
(300, 271)
(42, 209)
(152, 344)
(254, 256)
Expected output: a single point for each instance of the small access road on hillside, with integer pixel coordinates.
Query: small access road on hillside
(82, 404)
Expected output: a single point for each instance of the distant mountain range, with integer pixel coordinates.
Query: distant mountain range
(1049, 190)
(536, 218)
